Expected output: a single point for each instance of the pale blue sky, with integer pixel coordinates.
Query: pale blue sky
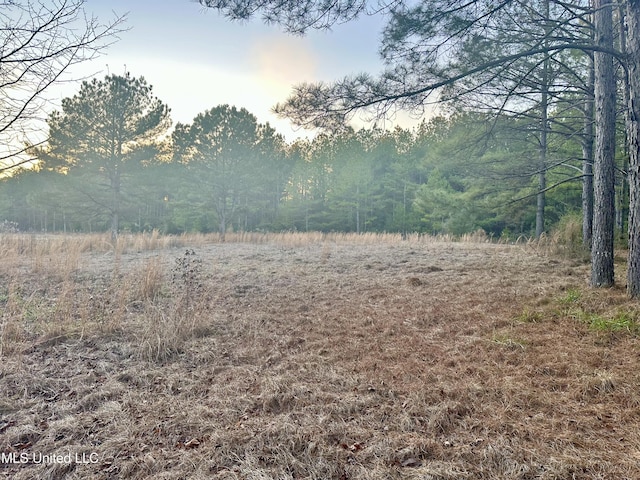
(197, 60)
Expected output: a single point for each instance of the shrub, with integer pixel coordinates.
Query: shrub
(567, 236)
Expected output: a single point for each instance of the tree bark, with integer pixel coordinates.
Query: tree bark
(222, 219)
(633, 138)
(602, 270)
(587, 164)
(622, 203)
(543, 146)
(115, 204)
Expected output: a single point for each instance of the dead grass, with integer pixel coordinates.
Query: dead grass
(318, 357)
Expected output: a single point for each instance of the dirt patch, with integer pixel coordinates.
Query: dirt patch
(325, 359)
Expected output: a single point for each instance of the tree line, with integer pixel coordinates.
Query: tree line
(548, 91)
(113, 163)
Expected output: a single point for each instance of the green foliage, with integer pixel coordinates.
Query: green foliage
(507, 341)
(108, 123)
(530, 316)
(575, 304)
(438, 204)
(103, 135)
(237, 163)
(226, 171)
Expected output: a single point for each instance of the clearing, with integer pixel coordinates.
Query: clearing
(312, 357)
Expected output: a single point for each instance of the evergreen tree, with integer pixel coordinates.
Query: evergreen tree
(226, 154)
(101, 134)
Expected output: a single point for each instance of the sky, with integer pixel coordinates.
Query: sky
(196, 60)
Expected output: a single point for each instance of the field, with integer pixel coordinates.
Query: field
(312, 357)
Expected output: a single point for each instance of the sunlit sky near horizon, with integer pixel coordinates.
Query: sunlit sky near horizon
(195, 59)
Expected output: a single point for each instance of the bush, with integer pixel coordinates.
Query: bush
(567, 235)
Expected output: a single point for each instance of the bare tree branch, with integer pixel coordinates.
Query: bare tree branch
(40, 41)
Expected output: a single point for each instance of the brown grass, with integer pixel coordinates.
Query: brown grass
(312, 356)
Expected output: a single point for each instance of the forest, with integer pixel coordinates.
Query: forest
(452, 174)
(538, 107)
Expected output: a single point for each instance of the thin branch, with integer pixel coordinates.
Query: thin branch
(557, 184)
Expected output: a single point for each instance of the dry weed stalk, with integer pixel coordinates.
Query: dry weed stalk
(39, 246)
(181, 316)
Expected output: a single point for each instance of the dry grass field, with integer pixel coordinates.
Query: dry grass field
(312, 357)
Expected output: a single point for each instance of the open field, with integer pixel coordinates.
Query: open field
(312, 357)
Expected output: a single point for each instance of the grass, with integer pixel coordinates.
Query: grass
(571, 297)
(607, 314)
(313, 356)
(509, 342)
(620, 322)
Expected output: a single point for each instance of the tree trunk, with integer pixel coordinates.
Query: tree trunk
(222, 225)
(602, 273)
(633, 138)
(544, 128)
(358, 209)
(622, 204)
(587, 164)
(114, 225)
(541, 203)
(115, 205)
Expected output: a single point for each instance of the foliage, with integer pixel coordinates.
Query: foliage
(234, 160)
(103, 134)
(8, 227)
(490, 53)
(621, 322)
(580, 306)
(296, 17)
(478, 168)
(450, 175)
